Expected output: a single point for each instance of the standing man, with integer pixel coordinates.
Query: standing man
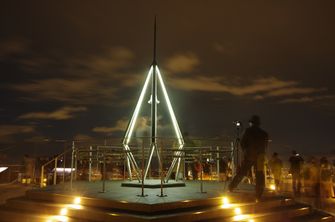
(276, 166)
(296, 162)
(254, 143)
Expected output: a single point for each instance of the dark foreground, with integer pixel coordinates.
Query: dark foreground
(86, 202)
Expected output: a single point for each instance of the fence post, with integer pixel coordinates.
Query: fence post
(201, 173)
(218, 162)
(90, 166)
(42, 176)
(72, 160)
(55, 171)
(64, 165)
(104, 171)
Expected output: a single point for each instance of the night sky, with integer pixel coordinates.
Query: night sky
(74, 69)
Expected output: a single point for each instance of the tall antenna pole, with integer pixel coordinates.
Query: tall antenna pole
(155, 30)
(153, 144)
(154, 93)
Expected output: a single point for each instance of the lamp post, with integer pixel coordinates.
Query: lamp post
(238, 126)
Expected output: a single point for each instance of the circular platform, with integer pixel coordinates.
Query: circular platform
(153, 184)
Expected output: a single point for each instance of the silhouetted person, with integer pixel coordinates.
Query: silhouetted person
(311, 177)
(188, 165)
(276, 166)
(326, 183)
(296, 162)
(196, 168)
(254, 143)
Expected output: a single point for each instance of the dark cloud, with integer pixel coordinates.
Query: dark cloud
(220, 60)
(7, 131)
(63, 113)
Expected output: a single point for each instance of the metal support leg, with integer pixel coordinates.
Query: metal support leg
(152, 149)
(161, 173)
(178, 168)
(168, 175)
(129, 169)
(132, 162)
(142, 174)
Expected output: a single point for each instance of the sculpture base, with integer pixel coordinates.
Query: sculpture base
(153, 184)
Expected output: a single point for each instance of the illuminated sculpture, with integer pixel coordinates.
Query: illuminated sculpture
(156, 80)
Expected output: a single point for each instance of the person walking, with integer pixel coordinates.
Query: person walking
(326, 183)
(296, 163)
(253, 143)
(196, 168)
(276, 166)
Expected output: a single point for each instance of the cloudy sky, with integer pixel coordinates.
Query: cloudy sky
(74, 69)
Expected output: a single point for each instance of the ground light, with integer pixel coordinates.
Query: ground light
(62, 217)
(272, 187)
(77, 200)
(241, 217)
(76, 204)
(225, 203)
(57, 218)
(63, 212)
(237, 211)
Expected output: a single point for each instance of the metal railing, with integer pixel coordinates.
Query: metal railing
(55, 160)
(86, 157)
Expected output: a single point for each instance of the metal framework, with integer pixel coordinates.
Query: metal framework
(156, 79)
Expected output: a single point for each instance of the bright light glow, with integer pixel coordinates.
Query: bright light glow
(242, 217)
(44, 179)
(63, 212)
(172, 115)
(75, 206)
(225, 203)
(272, 187)
(225, 200)
(77, 200)
(3, 169)
(66, 170)
(137, 110)
(57, 218)
(237, 211)
(251, 220)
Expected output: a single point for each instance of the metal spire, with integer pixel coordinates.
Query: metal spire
(154, 62)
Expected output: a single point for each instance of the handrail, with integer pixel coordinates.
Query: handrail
(50, 161)
(103, 151)
(59, 155)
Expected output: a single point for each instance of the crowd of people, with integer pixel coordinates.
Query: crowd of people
(314, 177)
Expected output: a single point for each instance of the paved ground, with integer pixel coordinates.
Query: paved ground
(8, 191)
(326, 204)
(114, 191)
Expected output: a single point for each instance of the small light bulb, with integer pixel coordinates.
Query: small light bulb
(272, 187)
(237, 211)
(63, 212)
(77, 200)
